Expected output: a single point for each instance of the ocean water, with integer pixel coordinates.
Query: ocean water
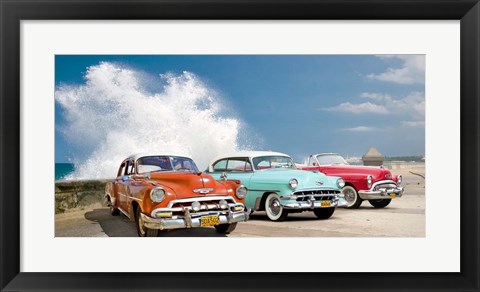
(119, 111)
(63, 170)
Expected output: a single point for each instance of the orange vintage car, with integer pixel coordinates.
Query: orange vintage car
(162, 192)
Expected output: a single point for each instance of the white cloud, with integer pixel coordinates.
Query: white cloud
(360, 108)
(413, 124)
(412, 71)
(361, 129)
(376, 96)
(412, 105)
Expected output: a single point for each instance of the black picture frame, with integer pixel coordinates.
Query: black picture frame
(12, 12)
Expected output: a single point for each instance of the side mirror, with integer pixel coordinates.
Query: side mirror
(125, 178)
(223, 175)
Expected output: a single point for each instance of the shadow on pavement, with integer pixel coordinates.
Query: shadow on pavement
(121, 226)
(113, 226)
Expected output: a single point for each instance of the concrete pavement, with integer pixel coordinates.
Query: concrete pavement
(404, 217)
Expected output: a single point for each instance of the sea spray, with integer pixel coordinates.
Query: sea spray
(116, 113)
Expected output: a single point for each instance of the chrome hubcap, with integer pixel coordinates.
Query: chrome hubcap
(275, 207)
(349, 196)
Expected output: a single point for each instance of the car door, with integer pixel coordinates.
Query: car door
(238, 168)
(129, 184)
(116, 187)
(122, 186)
(219, 167)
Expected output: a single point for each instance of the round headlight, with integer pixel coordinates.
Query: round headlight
(340, 183)
(293, 183)
(223, 204)
(196, 206)
(399, 180)
(157, 195)
(369, 181)
(241, 192)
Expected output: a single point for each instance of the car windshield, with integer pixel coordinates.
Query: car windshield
(165, 163)
(267, 162)
(331, 159)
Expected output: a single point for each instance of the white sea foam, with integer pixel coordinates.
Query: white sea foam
(119, 111)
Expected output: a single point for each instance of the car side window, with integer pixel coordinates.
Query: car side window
(220, 165)
(121, 170)
(311, 161)
(263, 164)
(130, 169)
(238, 165)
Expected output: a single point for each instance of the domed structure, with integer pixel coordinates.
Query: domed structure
(373, 157)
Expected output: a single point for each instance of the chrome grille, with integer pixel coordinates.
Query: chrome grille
(211, 205)
(316, 192)
(207, 204)
(202, 203)
(318, 195)
(317, 198)
(385, 186)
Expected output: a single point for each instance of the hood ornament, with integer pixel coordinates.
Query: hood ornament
(203, 190)
(319, 183)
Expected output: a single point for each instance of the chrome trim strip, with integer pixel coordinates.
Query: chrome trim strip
(318, 189)
(124, 213)
(136, 199)
(203, 190)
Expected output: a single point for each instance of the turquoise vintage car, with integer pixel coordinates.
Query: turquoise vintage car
(275, 185)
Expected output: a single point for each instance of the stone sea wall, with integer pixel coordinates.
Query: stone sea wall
(392, 165)
(71, 194)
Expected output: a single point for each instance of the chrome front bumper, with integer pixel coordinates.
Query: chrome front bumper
(388, 193)
(310, 204)
(190, 220)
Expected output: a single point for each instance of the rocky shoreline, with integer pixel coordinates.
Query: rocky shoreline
(74, 194)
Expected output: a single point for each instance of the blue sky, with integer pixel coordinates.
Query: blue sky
(297, 104)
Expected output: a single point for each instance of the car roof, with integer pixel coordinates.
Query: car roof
(249, 154)
(327, 153)
(139, 155)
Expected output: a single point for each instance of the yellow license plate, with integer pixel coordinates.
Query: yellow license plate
(392, 196)
(209, 221)
(325, 204)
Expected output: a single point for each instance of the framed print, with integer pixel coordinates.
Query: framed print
(223, 99)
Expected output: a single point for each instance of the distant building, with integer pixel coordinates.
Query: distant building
(373, 157)
(354, 160)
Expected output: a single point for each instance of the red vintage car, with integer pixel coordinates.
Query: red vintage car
(375, 184)
(162, 192)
